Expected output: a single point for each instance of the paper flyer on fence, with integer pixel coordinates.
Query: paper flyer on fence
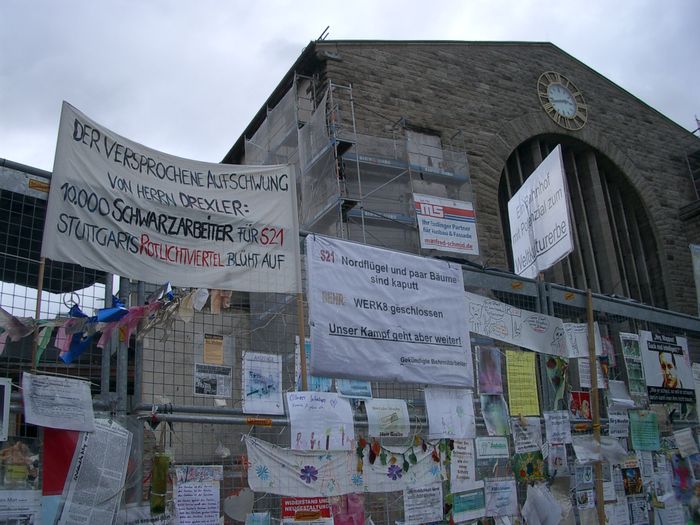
(644, 428)
(527, 434)
(557, 426)
(422, 504)
(388, 417)
(377, 314)
(5, 395)
(320, 421)
(262, 384)
(577, 339)
(501, 497)
(463, 466)
(468, 505)
(93, 490)
(450, 412)
(57, 402)
(667, 369)
(489, 376)
(522, 390)
(197, 502)
(495, 413)
(21, 506)
(488, 448)
(212, 380)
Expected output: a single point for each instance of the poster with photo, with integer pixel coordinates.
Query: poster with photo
(632, 481)
(580, 405)
(667, 370)
(489, 366)
(212, 380)
(262, 384)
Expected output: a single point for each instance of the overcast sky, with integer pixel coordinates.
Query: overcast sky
(187, 77)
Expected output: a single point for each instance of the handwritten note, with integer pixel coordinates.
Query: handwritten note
(320, 421)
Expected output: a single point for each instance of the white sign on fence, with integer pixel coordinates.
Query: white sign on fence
(446, 224)
(383, 315)
(540, 229)
(120, 207)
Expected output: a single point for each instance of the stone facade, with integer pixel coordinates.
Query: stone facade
(488, 91)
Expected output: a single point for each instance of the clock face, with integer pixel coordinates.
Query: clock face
(562, 101)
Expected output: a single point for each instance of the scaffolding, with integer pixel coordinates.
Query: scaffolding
(355, 185)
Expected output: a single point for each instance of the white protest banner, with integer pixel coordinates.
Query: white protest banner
(667, 368)
(539, 218)
(388, 417)
(320, 421)
(383, 315)
(446, 224)
(537, 332)
(117, 206)
(303, 474)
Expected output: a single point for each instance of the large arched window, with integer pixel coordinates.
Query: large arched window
(615, 249)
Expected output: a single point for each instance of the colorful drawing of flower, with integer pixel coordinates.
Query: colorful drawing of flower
(309, 474)
(357, 479)
(394, 472)
(263, 472)
(435, 470)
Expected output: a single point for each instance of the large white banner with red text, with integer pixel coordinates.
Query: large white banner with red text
(120, 207)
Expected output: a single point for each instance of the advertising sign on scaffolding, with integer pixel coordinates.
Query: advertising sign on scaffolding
(120, 207)
(446, 224)
(382, 315)
(540, 229)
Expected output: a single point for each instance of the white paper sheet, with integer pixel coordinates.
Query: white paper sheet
(422, 504)
(96, 478)
(618, 396)
(617, 513)
(450, 412)
(618, 423)
(320, 421)
(501, 497)
(685, 441)
(197, 503)
(463, 466)
(388, 417)
(557, 426)
(212, 380)
(540, 507)
(528, 437)
(262, 384)
(20, 506)
(57, 402)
